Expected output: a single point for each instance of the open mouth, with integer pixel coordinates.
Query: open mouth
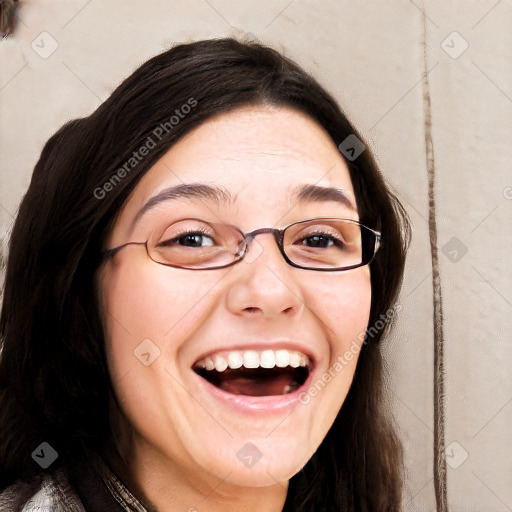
(255, 373)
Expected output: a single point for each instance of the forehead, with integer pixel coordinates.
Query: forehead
(272, 140)
(260, 155)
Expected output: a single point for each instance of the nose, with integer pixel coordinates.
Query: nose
(264, 282)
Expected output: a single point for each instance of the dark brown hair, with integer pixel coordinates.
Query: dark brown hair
(54, 382)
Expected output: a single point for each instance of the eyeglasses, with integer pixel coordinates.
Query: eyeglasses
(325, 244)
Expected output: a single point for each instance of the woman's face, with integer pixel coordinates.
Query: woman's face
(161, 322)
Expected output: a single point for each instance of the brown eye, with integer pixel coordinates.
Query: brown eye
(322, 241)
(192, 238)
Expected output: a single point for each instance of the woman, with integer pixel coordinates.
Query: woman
(167, 344)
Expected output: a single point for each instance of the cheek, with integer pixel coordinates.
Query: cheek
(142, 301)
(148, 310)
(343, 304)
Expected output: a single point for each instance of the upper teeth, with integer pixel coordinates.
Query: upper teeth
(254, 359)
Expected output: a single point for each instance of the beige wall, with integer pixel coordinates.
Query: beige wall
(370, 55)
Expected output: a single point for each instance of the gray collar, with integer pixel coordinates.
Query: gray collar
(117, 489)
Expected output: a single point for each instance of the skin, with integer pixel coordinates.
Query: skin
(177, 446)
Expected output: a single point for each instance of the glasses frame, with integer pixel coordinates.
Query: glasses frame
(278, 233)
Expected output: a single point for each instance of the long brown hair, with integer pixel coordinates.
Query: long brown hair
(54, 382)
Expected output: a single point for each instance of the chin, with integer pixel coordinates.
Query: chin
(259, 462)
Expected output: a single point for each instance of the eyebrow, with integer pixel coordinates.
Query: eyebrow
(301, 193)
(315, 193)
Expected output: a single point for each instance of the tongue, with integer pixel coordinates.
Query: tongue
(277, 386)
(256, 382)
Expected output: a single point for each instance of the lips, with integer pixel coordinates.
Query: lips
(256, 373)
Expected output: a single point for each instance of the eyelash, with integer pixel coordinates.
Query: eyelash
(187, 232)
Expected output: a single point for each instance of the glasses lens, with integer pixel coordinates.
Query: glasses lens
(315, 244)
(325, 243)
(194, 243)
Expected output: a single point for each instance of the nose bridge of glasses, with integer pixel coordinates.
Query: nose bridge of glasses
(276, 233)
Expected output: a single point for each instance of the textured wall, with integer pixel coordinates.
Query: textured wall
(430, 88)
